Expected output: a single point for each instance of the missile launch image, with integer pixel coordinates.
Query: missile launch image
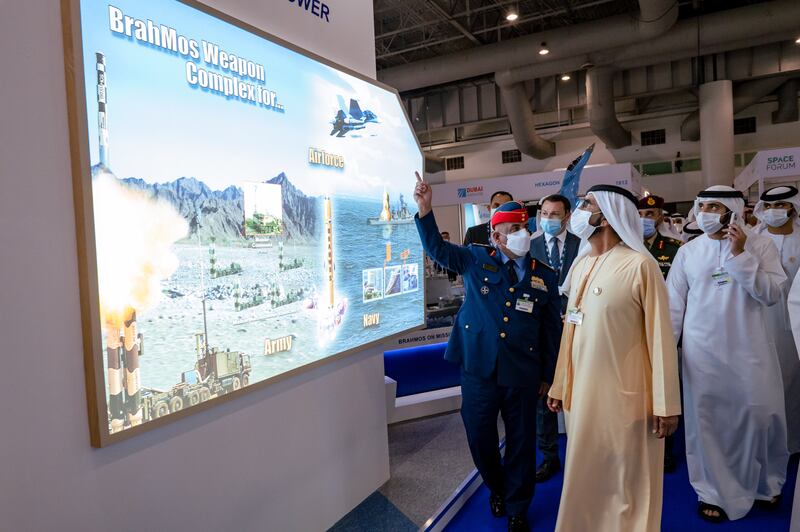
(224, 255)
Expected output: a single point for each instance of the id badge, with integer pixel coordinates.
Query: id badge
(721, 278)
(525, 305)
(575, 317)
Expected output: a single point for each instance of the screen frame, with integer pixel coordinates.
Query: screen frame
(80, 170)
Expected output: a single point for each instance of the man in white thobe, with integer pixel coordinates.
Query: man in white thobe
(777, 214)
(794, 318)
(720, 286)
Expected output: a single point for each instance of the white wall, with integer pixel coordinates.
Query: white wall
(348, 39)
(482, 159)
(295, 456)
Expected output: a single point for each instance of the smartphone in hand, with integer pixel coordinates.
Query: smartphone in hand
(728, 218)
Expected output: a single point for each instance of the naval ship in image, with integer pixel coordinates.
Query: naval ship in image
(401, 215)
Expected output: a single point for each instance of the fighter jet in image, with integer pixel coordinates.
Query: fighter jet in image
(352, 118)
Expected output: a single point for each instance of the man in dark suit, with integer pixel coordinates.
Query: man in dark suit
(505, 338)
(479, 234)
(559, 248)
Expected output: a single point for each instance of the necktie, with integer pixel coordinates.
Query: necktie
(512, 272)
(555, 256)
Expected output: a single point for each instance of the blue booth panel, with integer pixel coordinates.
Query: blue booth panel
(420, 369)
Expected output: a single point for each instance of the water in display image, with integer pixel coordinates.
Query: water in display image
(249, 205)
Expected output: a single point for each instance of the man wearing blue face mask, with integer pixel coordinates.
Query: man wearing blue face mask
(559, 248)
(505, 338)
(720, 287)
(777, 212)
(663, 248)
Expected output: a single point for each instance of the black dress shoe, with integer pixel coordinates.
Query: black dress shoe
(498, 505)
(670, 465)
(547, 470)
(517, 523)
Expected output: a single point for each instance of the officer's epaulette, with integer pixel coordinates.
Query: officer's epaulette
(489, 249)
(674, 242)
(534, 262)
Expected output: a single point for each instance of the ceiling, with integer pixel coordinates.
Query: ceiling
(412, 30)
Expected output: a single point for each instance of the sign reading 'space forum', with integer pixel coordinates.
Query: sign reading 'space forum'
(247, 209)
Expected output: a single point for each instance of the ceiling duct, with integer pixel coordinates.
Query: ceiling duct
(576, 46)
(607, 41)
(564, 43)
(787, 103)
(520, 116)
(745, 94)
(600, 106)
(656, 17)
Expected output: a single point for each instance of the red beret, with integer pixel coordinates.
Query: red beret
(510, 212)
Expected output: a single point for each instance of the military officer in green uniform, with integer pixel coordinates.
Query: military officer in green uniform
(664, 249)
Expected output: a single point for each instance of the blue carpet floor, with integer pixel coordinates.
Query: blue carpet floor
(679, 511)
(375, 514)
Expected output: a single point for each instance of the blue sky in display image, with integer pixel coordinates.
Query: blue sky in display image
(161, 128)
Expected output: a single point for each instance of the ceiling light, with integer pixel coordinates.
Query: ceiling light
(543, 50)
(565, 77)
(512, 13)
(797, 41)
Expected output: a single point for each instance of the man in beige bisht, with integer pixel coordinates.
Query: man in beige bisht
(617, 373)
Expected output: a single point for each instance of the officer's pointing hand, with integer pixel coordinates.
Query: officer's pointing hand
(422, 195)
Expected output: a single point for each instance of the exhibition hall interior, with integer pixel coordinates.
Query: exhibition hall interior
(397, 265)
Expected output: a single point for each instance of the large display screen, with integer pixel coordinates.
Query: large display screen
(249, 205)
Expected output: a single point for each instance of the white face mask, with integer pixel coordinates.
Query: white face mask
(579, 224)
(775, 217)
(519, 242)
(709, 222)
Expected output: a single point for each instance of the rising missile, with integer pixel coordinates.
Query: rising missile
(328, 221)
(102, 100)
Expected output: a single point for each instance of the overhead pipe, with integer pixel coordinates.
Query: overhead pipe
(520, 116)
(745, 94)
(656, 17)
(573, 46)
(787, 103)
(600, 106)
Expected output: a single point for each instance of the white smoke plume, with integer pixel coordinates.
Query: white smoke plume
(134, 235)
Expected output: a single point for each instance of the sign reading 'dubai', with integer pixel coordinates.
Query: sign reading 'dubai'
(246, 209)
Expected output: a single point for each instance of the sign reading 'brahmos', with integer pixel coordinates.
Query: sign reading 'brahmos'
(242, 209)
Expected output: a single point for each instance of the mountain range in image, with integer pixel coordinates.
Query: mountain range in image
(220, 213)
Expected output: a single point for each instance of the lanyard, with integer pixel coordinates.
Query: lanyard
(569, 330)
(585, 284)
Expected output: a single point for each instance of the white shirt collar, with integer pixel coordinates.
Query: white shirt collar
(562, 237)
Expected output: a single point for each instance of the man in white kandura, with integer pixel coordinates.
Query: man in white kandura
(720, 286)
(777, 213)
(617, 373)
(794, 318)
